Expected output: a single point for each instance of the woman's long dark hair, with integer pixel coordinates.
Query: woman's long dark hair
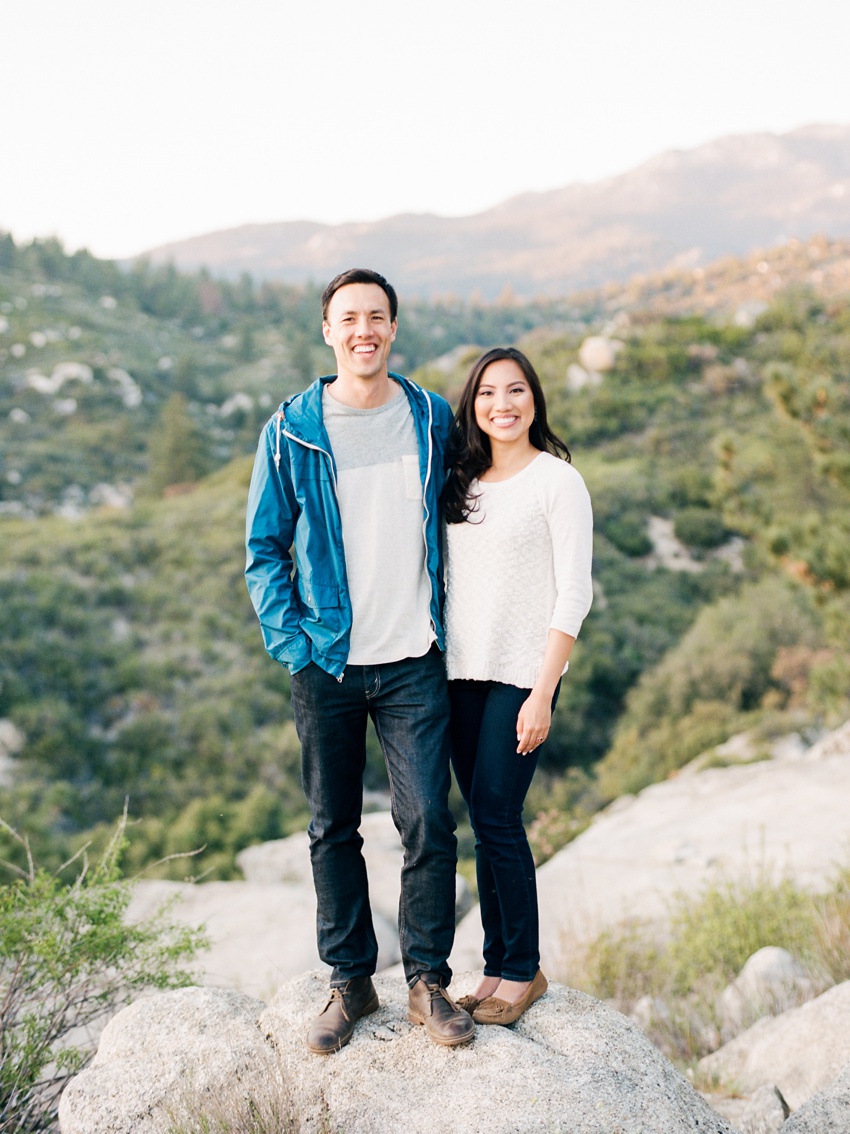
(469, 452)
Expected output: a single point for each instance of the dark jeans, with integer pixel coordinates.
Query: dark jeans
(407, 700)
(494, 780)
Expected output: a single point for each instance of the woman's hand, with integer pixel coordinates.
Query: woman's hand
(533, 722)
(535, 716)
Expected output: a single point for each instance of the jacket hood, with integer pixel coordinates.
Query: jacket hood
(301, 415)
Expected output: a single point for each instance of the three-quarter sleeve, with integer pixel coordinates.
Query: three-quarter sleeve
(568, 508)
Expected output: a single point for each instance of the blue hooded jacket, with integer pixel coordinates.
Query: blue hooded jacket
(296, 561)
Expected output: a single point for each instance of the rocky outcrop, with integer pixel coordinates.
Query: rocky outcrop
(764, 1113)
(570, 1063)
(801, 1052)
(826, 1113)
(789, 813)
(263, 931)
(163, 1051)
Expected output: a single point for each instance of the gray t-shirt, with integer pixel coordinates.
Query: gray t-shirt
(380, 499)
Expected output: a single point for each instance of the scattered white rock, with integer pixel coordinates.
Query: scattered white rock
(770, 982)
(748, 746)
(111, 495)
(598, 353)
(731, 552)
(235, 403)
(72, 371)
(835, 743)
(11, 743)
(11, 738)
(131, 395)
(447, 362)
(578, 378)
(40, 383)
(63, 372)
(667, 550)
(747, 314)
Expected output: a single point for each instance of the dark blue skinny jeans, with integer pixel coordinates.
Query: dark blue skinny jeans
(494, 780)
(408, 703)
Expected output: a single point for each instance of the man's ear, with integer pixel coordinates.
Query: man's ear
(393, 328)
(326, 330)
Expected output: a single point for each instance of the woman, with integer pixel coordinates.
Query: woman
(519, 545)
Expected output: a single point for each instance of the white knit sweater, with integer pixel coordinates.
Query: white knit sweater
(518, 568)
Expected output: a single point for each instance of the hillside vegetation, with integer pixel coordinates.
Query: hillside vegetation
(132, 665)
(96, 361)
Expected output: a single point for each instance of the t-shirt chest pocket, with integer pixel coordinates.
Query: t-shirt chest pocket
(412, 483)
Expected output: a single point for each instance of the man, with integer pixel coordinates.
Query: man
(347, 479)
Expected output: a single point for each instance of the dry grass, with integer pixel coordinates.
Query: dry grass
(670, 979)
(232, 1110)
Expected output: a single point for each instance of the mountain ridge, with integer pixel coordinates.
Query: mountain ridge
(682, 207)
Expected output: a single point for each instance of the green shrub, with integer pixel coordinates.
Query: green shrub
(713, 934)
(628, 534)
(621, 964)
(68, 958)
(699, 527)
(711, 683)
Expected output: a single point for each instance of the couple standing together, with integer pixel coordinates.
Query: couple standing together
(359, 484)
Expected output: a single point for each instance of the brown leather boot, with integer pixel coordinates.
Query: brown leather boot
(431, 1005)
(333, 1027)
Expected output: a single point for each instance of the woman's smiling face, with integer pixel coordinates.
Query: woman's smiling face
(504, 403)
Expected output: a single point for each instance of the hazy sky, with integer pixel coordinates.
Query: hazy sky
(127, 124)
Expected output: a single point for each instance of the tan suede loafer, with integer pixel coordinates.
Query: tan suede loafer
(431, 1005)
(468, 1003)
(492, 1010)
(334, 1026)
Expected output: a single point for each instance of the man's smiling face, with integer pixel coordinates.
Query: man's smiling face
(359, 330)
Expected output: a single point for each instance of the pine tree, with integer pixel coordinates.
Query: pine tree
(178, 453)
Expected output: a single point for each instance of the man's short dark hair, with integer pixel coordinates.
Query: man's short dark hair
(359, 275)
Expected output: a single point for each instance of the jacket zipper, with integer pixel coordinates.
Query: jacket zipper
(427, 515)
(318, 449)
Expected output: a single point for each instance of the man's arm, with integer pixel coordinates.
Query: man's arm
(270, 529)
(443, 418)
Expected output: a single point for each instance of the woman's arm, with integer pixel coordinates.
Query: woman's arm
(535, 716)
(570, 517)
